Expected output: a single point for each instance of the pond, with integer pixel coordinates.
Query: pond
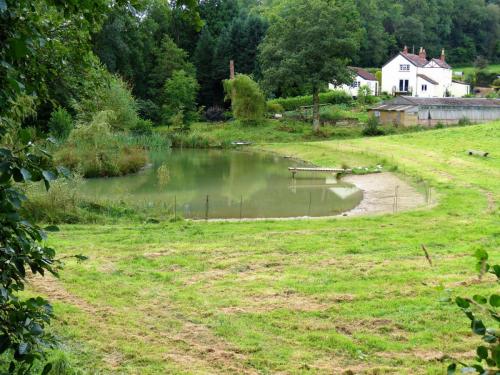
(226, 184)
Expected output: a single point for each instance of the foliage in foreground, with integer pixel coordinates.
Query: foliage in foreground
(94, 151)
(247, 99)
(482, 309)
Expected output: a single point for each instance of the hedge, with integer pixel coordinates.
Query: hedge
(330, 97)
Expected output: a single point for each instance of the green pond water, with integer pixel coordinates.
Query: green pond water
(237, 183)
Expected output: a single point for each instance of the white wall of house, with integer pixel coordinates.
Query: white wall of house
(353, 89)
(425, 89)
(459, 90)
(399, 69)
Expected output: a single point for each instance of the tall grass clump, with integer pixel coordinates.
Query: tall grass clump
(94, 151)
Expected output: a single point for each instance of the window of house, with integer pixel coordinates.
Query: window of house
(404, 67)
(424, 87)
(355, 84)
(403, 85)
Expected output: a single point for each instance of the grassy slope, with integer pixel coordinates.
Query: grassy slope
(291, 297)
(466, 69)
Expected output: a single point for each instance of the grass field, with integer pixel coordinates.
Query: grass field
(291, 297)
(467, 69)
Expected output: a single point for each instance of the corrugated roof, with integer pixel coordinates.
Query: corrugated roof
(443, 102)
(430, 80)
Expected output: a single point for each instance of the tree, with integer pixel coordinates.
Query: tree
(180, 97)
(311, 44)
(203, 60)
(247, 99)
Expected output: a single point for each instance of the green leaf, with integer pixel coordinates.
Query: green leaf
(36, 329)
(47, 369)
(26, 174)
(481, 254)
(496, 270)
(478, 327)
(480, 299)
(495, 300)
(23, 348)
(495, 354)
(462, 303)
(451, 369)
(482, 352)
(48, 175)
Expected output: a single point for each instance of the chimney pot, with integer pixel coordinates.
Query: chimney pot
(405, 50)
(422, 54)
(443, 56)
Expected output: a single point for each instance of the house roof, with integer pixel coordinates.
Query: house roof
(430, 80)
(443, 102)
(415, 59)
(442, 64)
(363, 73)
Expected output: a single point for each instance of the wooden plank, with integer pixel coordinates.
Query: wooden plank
(319, 169)
(478, 153)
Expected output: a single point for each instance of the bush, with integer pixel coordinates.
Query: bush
(247, 99)
(274, 108)
(464, 121)
(365, 95)
(60, 123)
(94, 151)
(142, 127)
(332, 115)
(485, 77)
(215, 114)
(372, 127)
(330, 97)
(113, 96)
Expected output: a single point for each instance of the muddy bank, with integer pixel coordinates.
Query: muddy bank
(379, 191)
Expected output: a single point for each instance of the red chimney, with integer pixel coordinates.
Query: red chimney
(405, 50)
(443, 56)
(422, 54)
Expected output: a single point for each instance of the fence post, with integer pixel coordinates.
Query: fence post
(175, 207)
(395, 204)
(206, 209)
(241, 207)
(310, 201)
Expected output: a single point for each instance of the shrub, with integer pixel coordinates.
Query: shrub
(180, 93)
(332, 115)
(142, 127)
(215, 114)
(372, 127)
(330, 97)
(60, 123)
(247, 99)
(365, 95)
(113, 96)
(274, 108)
(464, 121)
(94, 151)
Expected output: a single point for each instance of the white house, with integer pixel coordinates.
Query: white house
(414, 75)
(361, 78)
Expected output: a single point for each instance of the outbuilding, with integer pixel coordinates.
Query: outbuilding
(407, 110)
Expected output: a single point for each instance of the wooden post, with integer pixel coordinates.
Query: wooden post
(241, 207)
(206, 209)
(310, 201)
(175, 207)
(231, 69)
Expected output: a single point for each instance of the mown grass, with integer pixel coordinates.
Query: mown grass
(294, 297)
(467, 69)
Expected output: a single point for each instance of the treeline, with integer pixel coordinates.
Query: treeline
(147, 45)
